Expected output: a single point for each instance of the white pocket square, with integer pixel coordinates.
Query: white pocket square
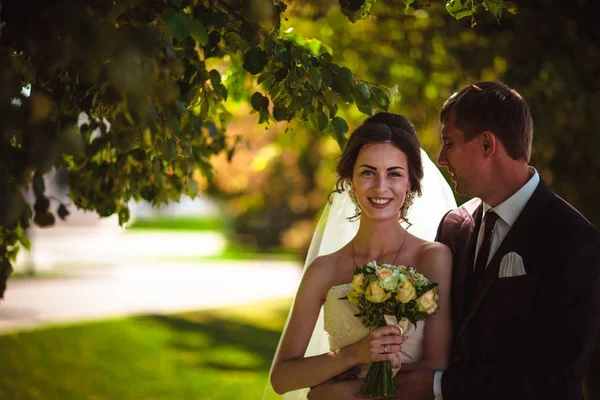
(511, 265)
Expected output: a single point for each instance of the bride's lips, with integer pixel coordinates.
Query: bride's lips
(379, 202)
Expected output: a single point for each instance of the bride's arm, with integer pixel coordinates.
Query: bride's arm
(291, 370)
(436, 265)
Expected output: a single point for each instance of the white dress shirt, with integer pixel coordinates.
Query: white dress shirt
(508, 211)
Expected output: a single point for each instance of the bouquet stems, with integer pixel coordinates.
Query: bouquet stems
(379, 382)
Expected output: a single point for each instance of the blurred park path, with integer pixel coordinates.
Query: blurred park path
(155, 288)
(99, 271)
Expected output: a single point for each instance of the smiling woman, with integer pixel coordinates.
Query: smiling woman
(381, 170)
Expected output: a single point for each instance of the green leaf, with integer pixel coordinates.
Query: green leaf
(259, 102)
(346, 77)
(314, 75)
(255, 61)
(313, 46)
(322, 120)
(124, 215)
(280, 113)
(44, 219)
(380, 98)
(24, 240)
(460, 9)
(177, 23)
(364, 91)
(351, 5)
(62, 211)
(191, 187)
(511, 7)
(495, 7)
(198, 31)
(340, 128)
(265, 76)
(407, 3)
(171, 150)
(38, 185)
(215, 77)
(283, 53)
(330, 97)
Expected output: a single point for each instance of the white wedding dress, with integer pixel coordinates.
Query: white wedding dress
(336, 325)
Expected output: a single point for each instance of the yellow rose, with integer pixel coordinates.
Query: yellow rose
(428, 302)
(384, 274)
(376, 294)
(357, 283)
(405, 291)
(353, 297)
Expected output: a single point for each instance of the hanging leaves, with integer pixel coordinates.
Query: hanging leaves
(255, 61)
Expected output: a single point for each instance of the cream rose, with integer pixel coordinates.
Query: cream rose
(384, 274)
(390, 284)
(427, 302)
(376, 294)
(405, 291)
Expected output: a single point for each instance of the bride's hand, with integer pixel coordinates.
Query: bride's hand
(381, 344)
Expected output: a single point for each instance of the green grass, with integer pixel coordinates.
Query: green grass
(217, 354)
(180, 224)
(37, 275)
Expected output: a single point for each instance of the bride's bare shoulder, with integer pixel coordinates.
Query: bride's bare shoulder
(327, 266)
(435, 255)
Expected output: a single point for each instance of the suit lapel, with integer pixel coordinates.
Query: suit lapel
(464, 260)
(515, 240)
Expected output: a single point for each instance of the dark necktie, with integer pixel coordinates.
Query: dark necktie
(484, 250)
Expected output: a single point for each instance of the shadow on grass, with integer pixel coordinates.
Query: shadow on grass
(222, 343)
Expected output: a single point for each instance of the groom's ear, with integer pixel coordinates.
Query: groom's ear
(488, 143)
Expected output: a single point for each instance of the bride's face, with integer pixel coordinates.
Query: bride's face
(380, 179)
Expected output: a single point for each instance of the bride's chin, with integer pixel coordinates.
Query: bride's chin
(382, 217)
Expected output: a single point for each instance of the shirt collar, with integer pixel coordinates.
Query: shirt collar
(510, 209)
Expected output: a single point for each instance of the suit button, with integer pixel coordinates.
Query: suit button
(456, 359)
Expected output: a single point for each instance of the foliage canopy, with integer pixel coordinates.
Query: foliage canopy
(152, 78)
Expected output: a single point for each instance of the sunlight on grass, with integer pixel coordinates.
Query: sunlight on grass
(179, 224)
(214, 354)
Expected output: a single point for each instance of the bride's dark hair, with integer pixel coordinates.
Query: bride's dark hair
(380, 128)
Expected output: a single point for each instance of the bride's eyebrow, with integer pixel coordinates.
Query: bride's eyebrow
(389, 169)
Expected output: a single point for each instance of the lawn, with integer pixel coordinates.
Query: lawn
(215, 354)
(180, 224)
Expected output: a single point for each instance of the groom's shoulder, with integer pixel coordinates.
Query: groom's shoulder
(465, 211)
(567, 217)
(453, 221)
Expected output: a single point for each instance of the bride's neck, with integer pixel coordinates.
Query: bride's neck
(373, 240)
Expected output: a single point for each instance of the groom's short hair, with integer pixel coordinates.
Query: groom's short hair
(494, 107)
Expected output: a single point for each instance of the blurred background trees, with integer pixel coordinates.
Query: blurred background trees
(550, 53)
(250, 101)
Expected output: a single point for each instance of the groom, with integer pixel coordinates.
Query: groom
(526, 268)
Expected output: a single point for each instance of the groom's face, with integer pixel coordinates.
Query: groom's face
(461, 158)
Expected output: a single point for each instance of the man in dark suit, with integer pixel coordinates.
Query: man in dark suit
(526, 265)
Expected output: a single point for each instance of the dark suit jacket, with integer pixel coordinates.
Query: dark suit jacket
(532, 336)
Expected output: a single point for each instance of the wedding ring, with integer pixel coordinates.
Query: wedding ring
(384, 349)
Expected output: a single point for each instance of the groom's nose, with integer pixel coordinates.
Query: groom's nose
(442, 158)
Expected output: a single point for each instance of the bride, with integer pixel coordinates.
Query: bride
(380, 170)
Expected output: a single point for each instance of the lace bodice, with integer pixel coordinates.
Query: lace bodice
(343, 328)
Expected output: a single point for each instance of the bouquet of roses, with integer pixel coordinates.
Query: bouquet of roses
(384, 293)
